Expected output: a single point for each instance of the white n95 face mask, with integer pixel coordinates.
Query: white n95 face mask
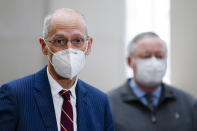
(69, 62)
(150, 72)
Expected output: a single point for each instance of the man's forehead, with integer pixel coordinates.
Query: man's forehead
(65, 16)
(66, 20)
(150, 42)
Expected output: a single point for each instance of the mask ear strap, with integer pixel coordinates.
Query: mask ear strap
(49, 51)
(86, 49)
(50, 60)
(48, 47)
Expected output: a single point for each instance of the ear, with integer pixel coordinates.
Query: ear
(43, 45)
(89, 46)
(130, 61)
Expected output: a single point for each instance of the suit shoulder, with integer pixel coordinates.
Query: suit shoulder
(182, 95)
(118, 91)
(19, 83)
(27, 81)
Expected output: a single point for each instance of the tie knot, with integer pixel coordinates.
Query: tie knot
(65, 94)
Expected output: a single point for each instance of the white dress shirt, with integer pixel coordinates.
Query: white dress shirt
(58, 100)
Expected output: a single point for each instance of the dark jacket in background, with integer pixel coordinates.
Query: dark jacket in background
(176, 111)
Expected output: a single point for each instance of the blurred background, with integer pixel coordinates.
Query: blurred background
(112, 23)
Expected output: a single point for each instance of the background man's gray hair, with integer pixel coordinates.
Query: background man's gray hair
(132, 43)
(47, 22)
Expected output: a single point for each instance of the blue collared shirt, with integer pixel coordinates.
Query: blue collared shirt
(141, 94)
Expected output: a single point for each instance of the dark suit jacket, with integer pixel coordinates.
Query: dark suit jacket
(26, 105)
(177, 111)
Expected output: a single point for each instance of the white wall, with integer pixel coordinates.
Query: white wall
(20, 25)
(183, 44)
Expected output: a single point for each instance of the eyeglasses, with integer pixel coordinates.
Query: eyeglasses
(75, 42)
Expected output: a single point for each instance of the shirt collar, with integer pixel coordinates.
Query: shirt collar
(157, 92)
(56, 87)
(140, 93)
(137, 91)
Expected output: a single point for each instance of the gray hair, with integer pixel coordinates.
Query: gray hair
(47, 24)
(132, 43)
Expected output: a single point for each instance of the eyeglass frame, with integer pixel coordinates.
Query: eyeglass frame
(66, 41)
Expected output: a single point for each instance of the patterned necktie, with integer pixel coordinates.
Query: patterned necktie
(66, 122)
(150, 101)
(149, 98)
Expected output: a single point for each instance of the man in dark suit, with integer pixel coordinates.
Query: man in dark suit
(54, 98)
(144, 102)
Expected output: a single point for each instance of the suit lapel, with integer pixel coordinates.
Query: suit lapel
(82, 109)
(44, 100)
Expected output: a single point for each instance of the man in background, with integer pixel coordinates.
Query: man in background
(54, 98)
(144, 102)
